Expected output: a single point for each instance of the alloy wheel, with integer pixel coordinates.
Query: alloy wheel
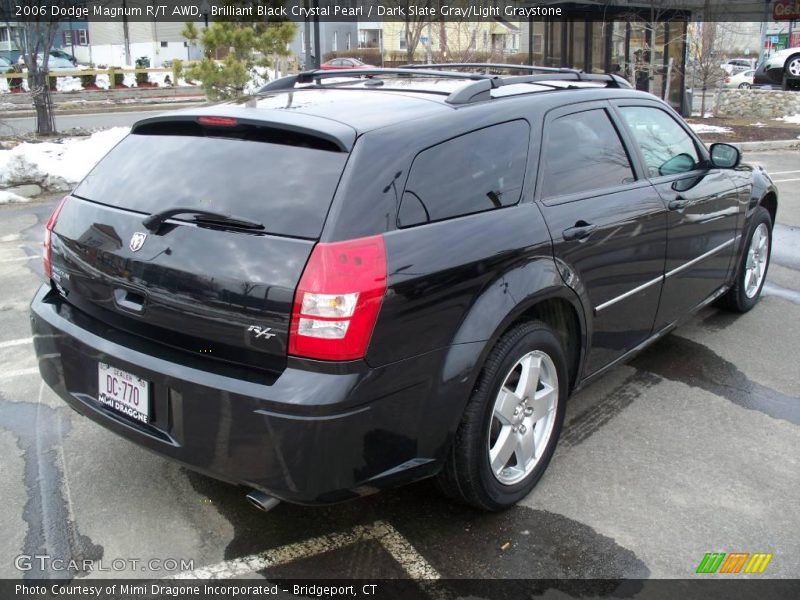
(523, 417)
(793, 67)
(756, 265)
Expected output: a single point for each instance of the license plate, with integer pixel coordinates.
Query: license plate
(124, 392)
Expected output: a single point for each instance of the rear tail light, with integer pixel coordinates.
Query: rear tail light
(48, 241)
(338, 299)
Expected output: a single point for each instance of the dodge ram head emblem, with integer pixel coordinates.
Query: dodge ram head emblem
(261, 332)
(137, 241)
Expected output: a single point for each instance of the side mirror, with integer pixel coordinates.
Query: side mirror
(725, 156)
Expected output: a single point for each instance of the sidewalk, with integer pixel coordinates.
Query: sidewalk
(738, 130)
(118, 100)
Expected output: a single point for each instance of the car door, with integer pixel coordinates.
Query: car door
(703, 207)
(608, 226)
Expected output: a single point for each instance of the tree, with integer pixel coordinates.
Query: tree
(35, 40)
(413, 24)
(192, 35)
(705, 52)
(245, 47)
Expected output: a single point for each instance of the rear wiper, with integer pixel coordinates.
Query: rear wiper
(156, 220)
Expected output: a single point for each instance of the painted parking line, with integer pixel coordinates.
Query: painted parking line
(19, 373)
(785, 180)
(19, 342)
(783, 172)
(395, 544)
(20, 258)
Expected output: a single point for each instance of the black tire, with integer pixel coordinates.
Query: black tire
(744, 86)
(736, 298)
(467, 475)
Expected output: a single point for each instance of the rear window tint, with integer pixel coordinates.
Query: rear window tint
(286, 186)
(475, 172)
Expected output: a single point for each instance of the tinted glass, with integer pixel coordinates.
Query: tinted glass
(288, 188)
(479, 171)
(666, 147)
(582, 153)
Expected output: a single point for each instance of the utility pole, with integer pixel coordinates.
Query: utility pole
(317, 46)
(126, 34)
(764, 24)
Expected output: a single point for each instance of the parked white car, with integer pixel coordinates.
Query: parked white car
(782, 68)
(742, 80)
(737, 65)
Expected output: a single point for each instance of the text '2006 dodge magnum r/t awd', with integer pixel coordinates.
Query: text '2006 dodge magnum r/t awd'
(352, 281)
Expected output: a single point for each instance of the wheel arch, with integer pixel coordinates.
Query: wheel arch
(559, 307)
(770, 202)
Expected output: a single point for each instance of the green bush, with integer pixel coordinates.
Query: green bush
(88, 80)
(142, 78)
(115, 78)
(177, 70)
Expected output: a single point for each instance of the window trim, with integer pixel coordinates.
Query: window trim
(700, 147)
(624, 139)
(523, 182)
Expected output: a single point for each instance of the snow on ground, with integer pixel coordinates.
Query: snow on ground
(9, 198)
(702, 128)
(790, 119)
(68, 84)
(56, 165)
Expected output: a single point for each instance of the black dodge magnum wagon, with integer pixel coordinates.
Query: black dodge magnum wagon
(355, 280)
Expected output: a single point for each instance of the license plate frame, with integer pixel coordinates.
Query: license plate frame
(123, 392)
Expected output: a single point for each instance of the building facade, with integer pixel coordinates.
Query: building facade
(449, 40)
(333, 37)
(650, 53)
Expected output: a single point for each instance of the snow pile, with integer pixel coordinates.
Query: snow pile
(56, 165)
(68, 84)
(102, 81)
(703, 128)
(9, 198)
(790, 119)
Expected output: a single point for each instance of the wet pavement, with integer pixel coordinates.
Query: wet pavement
(689, 448)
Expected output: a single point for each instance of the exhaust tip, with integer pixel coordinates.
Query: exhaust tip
(262, 501)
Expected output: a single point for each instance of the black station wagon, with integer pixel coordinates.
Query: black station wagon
(355, 280)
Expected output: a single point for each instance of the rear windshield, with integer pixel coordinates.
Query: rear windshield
(288, 187)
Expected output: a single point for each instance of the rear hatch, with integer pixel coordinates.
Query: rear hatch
(218, 289)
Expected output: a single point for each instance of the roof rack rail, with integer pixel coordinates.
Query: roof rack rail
(477, 91)
(506, 66)
(289, 82)
(481, 90)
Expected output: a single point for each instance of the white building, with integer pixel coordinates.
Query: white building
(159, 42)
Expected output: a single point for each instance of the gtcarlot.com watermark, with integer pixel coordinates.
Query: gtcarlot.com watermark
(45, 562)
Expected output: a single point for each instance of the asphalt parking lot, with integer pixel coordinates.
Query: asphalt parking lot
(691, 448)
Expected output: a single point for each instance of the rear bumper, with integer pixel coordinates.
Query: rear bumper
(316, 434)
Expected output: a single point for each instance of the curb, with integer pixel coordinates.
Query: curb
(768, 145)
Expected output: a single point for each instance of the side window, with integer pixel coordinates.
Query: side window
(478, 171)
(583, 152)
(666, 147)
